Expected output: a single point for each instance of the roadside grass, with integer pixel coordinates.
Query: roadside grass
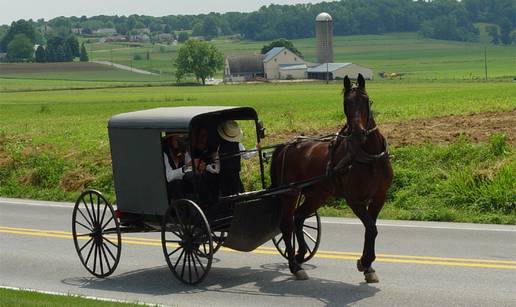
(18, 298)
(407, 53)
(54, 144)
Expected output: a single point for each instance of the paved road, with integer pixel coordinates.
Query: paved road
(125, 67)
(419, 264)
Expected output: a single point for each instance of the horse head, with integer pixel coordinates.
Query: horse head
(357, 109)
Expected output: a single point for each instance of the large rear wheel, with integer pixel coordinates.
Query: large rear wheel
(96, 233)
(312, 236)
(187, 242)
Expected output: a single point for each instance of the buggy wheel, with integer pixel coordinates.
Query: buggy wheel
(187, 241)
(96, 233)
(312, 236)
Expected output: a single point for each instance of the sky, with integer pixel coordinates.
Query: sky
(13, 10)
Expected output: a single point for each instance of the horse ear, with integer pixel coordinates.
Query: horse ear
(361, 81)
(347, 83)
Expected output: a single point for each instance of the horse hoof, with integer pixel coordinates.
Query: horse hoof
(360, 267)
(301, 275)
(371, 277)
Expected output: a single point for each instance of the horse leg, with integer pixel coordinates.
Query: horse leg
(368, 253)
(308, 207)
(287, 228)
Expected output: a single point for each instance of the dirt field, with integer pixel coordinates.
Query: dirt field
(476, 127)
(50, 67)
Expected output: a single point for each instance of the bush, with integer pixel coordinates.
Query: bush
(137, 57)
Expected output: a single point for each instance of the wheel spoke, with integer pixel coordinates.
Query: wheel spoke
(115, 245)
(87, 243)
(200, 262)
(93, 208)
(179, 258)
(85, 218)
(88, 211)
(189, 267)
(184, 265)
(173, 241)
(308, 248)
(105, 257)
(109, 251)
(91, 230)
(311, 227)
(194, 265)
(174, 251)
(89, 254)
(103, 215)
(100, 260)
(104, 226)
(90, 234)
(309, 236)
(95, 258)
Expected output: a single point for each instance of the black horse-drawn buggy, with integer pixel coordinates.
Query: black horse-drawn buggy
(191, 233)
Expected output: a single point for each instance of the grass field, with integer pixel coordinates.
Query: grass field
(16, 298)
(54, 143)
(416, 57)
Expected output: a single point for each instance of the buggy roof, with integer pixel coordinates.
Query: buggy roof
(177, 118)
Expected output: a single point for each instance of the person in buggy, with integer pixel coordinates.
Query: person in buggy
(230, 151)
(175, 167)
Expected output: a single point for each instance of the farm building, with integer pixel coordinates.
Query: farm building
(338, 71)
(273, 65)
(243, 68)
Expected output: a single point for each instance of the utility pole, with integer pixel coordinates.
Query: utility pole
(485, 60)
(327, 73)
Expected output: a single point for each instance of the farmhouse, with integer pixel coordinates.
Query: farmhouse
(282, 64)
(273, 65)
(106, 31)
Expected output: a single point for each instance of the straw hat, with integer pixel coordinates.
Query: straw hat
(230, 131)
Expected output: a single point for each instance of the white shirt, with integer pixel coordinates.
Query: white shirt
(170, 173)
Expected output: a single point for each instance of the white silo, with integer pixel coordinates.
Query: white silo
(324, 37)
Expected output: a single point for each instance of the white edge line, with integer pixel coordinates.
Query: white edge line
(458, 227)
(103, 299)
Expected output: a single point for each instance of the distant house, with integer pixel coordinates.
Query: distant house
(105, 31)
(338, 71)
(141, 38)
(77, 31)
(3, 56)
(116, 38)
(165, 38)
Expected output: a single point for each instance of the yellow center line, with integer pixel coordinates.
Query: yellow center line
(389, 258)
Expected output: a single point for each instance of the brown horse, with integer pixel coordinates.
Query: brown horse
(354, 165)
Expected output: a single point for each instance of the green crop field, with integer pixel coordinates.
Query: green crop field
(407, 53)
(18, 298)
(54, 143)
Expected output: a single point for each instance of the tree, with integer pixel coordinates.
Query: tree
(493, 32)
(281, 43)
(167, 29)
(199, 58)
(58, 50)
(73, 44)
(84, 54)
(18, 27)
(505, 31)
(41, 54)
(182, 36)
(20, 48)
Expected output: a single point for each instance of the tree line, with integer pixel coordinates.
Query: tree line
(439, 19)
(22, 37)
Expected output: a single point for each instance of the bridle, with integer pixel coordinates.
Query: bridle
(354, 153)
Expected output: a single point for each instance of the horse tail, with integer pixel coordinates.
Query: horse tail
(274, 172)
